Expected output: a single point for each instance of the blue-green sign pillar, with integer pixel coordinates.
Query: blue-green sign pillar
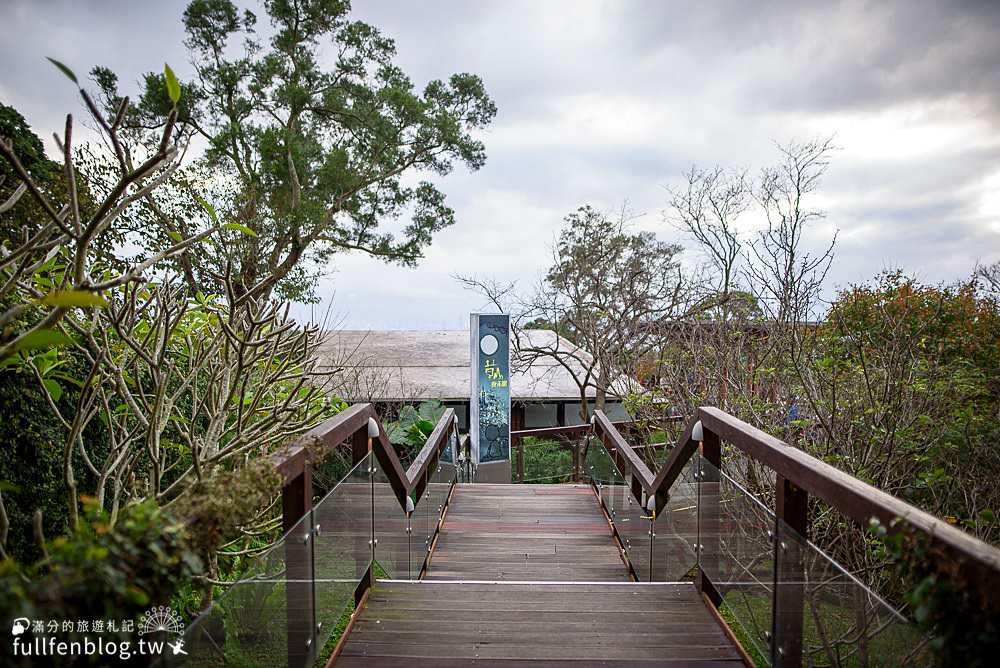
(489, 407)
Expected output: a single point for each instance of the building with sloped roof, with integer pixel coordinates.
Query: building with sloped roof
(405, 367)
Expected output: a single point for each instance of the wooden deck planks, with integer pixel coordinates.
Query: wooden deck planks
(530, 576)
(526, 532)
(453, 624)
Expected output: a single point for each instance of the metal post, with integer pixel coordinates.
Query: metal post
(517, 423)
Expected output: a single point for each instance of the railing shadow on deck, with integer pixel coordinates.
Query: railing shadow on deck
(794, 603)
(286, 605)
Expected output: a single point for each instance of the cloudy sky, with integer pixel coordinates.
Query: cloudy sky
(602, 103)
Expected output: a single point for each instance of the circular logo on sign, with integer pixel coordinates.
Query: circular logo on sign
(489, 344)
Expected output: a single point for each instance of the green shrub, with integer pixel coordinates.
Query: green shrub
(410, 432)
(32, 443)
(544, 461)
(101, 571)
(943, 599)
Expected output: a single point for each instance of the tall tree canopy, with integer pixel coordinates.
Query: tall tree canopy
(314, 138)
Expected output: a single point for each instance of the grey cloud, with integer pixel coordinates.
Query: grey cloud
(881, 54)
(706, 82)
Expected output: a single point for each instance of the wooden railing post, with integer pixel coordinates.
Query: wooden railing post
(300, 610)
(361, 445)
(792, 508)
(357, 425)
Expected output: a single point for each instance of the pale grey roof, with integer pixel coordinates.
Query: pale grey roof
(417, 365)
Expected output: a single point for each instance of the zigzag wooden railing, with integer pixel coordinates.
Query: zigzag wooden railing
(359, 425)
(641, 482)
(799, 475)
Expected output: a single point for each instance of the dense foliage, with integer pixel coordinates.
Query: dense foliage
(410, 431)
(101, 571)
(905, 387)
(160, 379)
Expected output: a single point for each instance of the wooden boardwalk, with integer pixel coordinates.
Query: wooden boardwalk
(526, 532)
(526, 576)
(441, 624)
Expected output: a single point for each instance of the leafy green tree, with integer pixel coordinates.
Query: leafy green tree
(305, 159)
(608, 294)
(610, 289)
(130, 389)
(55, 263)
(25, 215)
(905, 388)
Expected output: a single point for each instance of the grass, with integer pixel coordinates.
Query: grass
(741, 635)
(338, 631)
(547, 461)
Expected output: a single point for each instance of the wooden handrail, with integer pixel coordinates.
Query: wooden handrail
(641, 481)
(674, 466)
(856, 499)
(293, 460)
(799, 475)
(568, 430)
(563, 436)
(546, 432)
(420, 471)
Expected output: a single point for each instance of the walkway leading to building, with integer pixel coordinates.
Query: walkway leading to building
(524, 575)
(531, 575)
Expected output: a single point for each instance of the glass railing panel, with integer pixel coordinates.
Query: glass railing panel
(599, 469)
(630, 518)
(632, 522)
(613, 494)
(392, 546)
(440, 486)
(248, 622)
(597, 465)
(418, 535)
(342, 545)
(429, 509)
(735, 532)
(827, 617)
(675, 531)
